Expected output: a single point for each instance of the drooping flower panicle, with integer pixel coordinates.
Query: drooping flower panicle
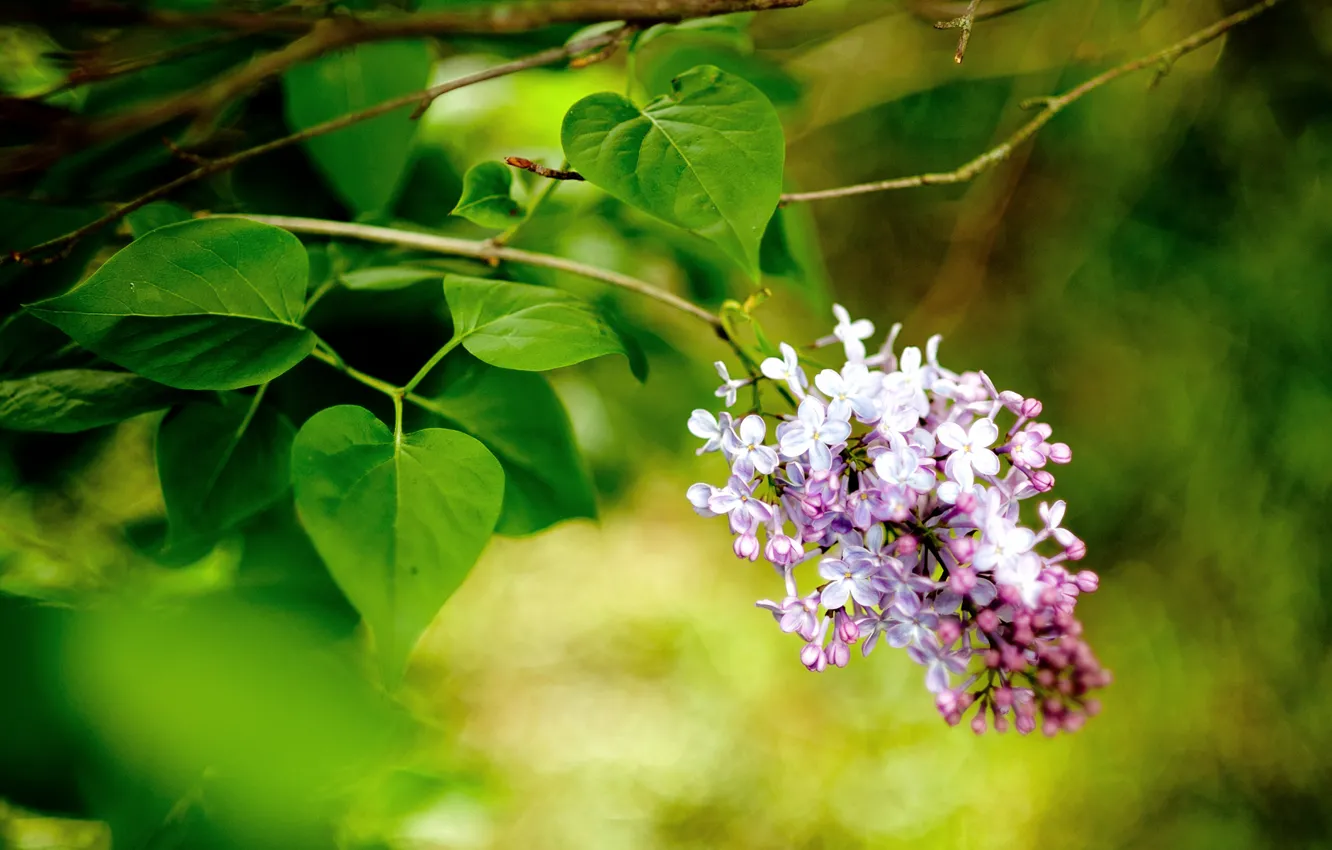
(892, 482)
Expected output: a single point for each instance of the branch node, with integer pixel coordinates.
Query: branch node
(180, 153)
(1040, 102)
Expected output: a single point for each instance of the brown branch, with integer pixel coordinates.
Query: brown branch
(482, 250)
(964, 22)
(541, 170)
(1050, 107)
(320, 35)
(545, 57)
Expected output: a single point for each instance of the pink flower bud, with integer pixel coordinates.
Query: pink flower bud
(1026, 724)
(907, 544)
(993, 658)
(1092, 707)
(847, 630)
(1030, 407)
(1087, 581)
(1050, 727)
(1001, 724)
(1060, 453)
(978, 723)
(1043, 481)
(987, 620)
(1076, 551)
(838, 653)
(746, 546)
(963, 548)
(966, 503)
(1003, 697)
(949, 631)
(946, 702)
(813, 658)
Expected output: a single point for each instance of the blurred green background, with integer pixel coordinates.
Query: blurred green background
(1155, 268)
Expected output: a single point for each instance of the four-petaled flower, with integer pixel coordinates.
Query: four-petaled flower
(939, 664)
(705, 426)
(748, 450)
(812, 432)
(847, 581)
(908, 384)
(851, 391)
(852, 334)
(970, 451)
(786, 368)
(727, 391)
(737, 500)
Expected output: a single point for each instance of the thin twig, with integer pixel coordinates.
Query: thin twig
(317, 36)
(545, 57)
(965, 22)
(480, 250)
(541, 170)
(1050, 107)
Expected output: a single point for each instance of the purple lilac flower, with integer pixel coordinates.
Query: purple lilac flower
(893, 482)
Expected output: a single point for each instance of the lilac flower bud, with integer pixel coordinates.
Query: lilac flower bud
(1087, 581)
(847, 630)
(813, 658)
(907, 545)
(1030, 408)
(746, 546)
(962, 548)
(838, 654)
(1043, 481)
(1000, 724)
(1003, 698)
(1026, 724)
(1076, 551)
(1060, 453)
(987, 620)
(1092, 707)
(783, 551)
(978, 723)
(948, 632)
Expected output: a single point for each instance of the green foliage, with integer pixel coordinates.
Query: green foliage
(222, 461)
(530, 328)
(363, 163)
(398, 519)
(152, 216)
(68, 400)
(520, 419)
(212, 304)
(386, 277)
(708, 157)
(487, 196)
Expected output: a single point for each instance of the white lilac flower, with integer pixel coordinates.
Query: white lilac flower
(850, 391)
(729, 388)
(705, 426)
(747, 449)
(970, 450)
(852, 334)
(786, 368)
(898, 475)
(812, 433)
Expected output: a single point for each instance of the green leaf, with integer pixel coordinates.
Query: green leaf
(204, 304)
(69, 400)
(388, 277)
(520, 419)
(152, 216)
(487, 197)
(221, 463)
(363, 162)
(731, 30)
(708, 157)
(529, 328)
(790, 250)
(399, 524)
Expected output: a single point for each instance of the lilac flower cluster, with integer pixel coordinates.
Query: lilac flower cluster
(891, 480)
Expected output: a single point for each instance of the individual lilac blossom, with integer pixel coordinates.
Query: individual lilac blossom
(737, 501)
(747, 449)
(893, 482)
(786, 368)
(812, 433)
(939, 664)
(729, 388)
(852, 334)
(908, 384)
(705, 426)
(847, 581)
(850, 391)
(970, 450)
(913, 624)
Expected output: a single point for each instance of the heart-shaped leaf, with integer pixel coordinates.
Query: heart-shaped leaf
(364, 162)
(221, 463)
(531, 328)
(68, 400)
(399, 523)
(487, 196)
(210, 304)
(520, 419)
(708, 157)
